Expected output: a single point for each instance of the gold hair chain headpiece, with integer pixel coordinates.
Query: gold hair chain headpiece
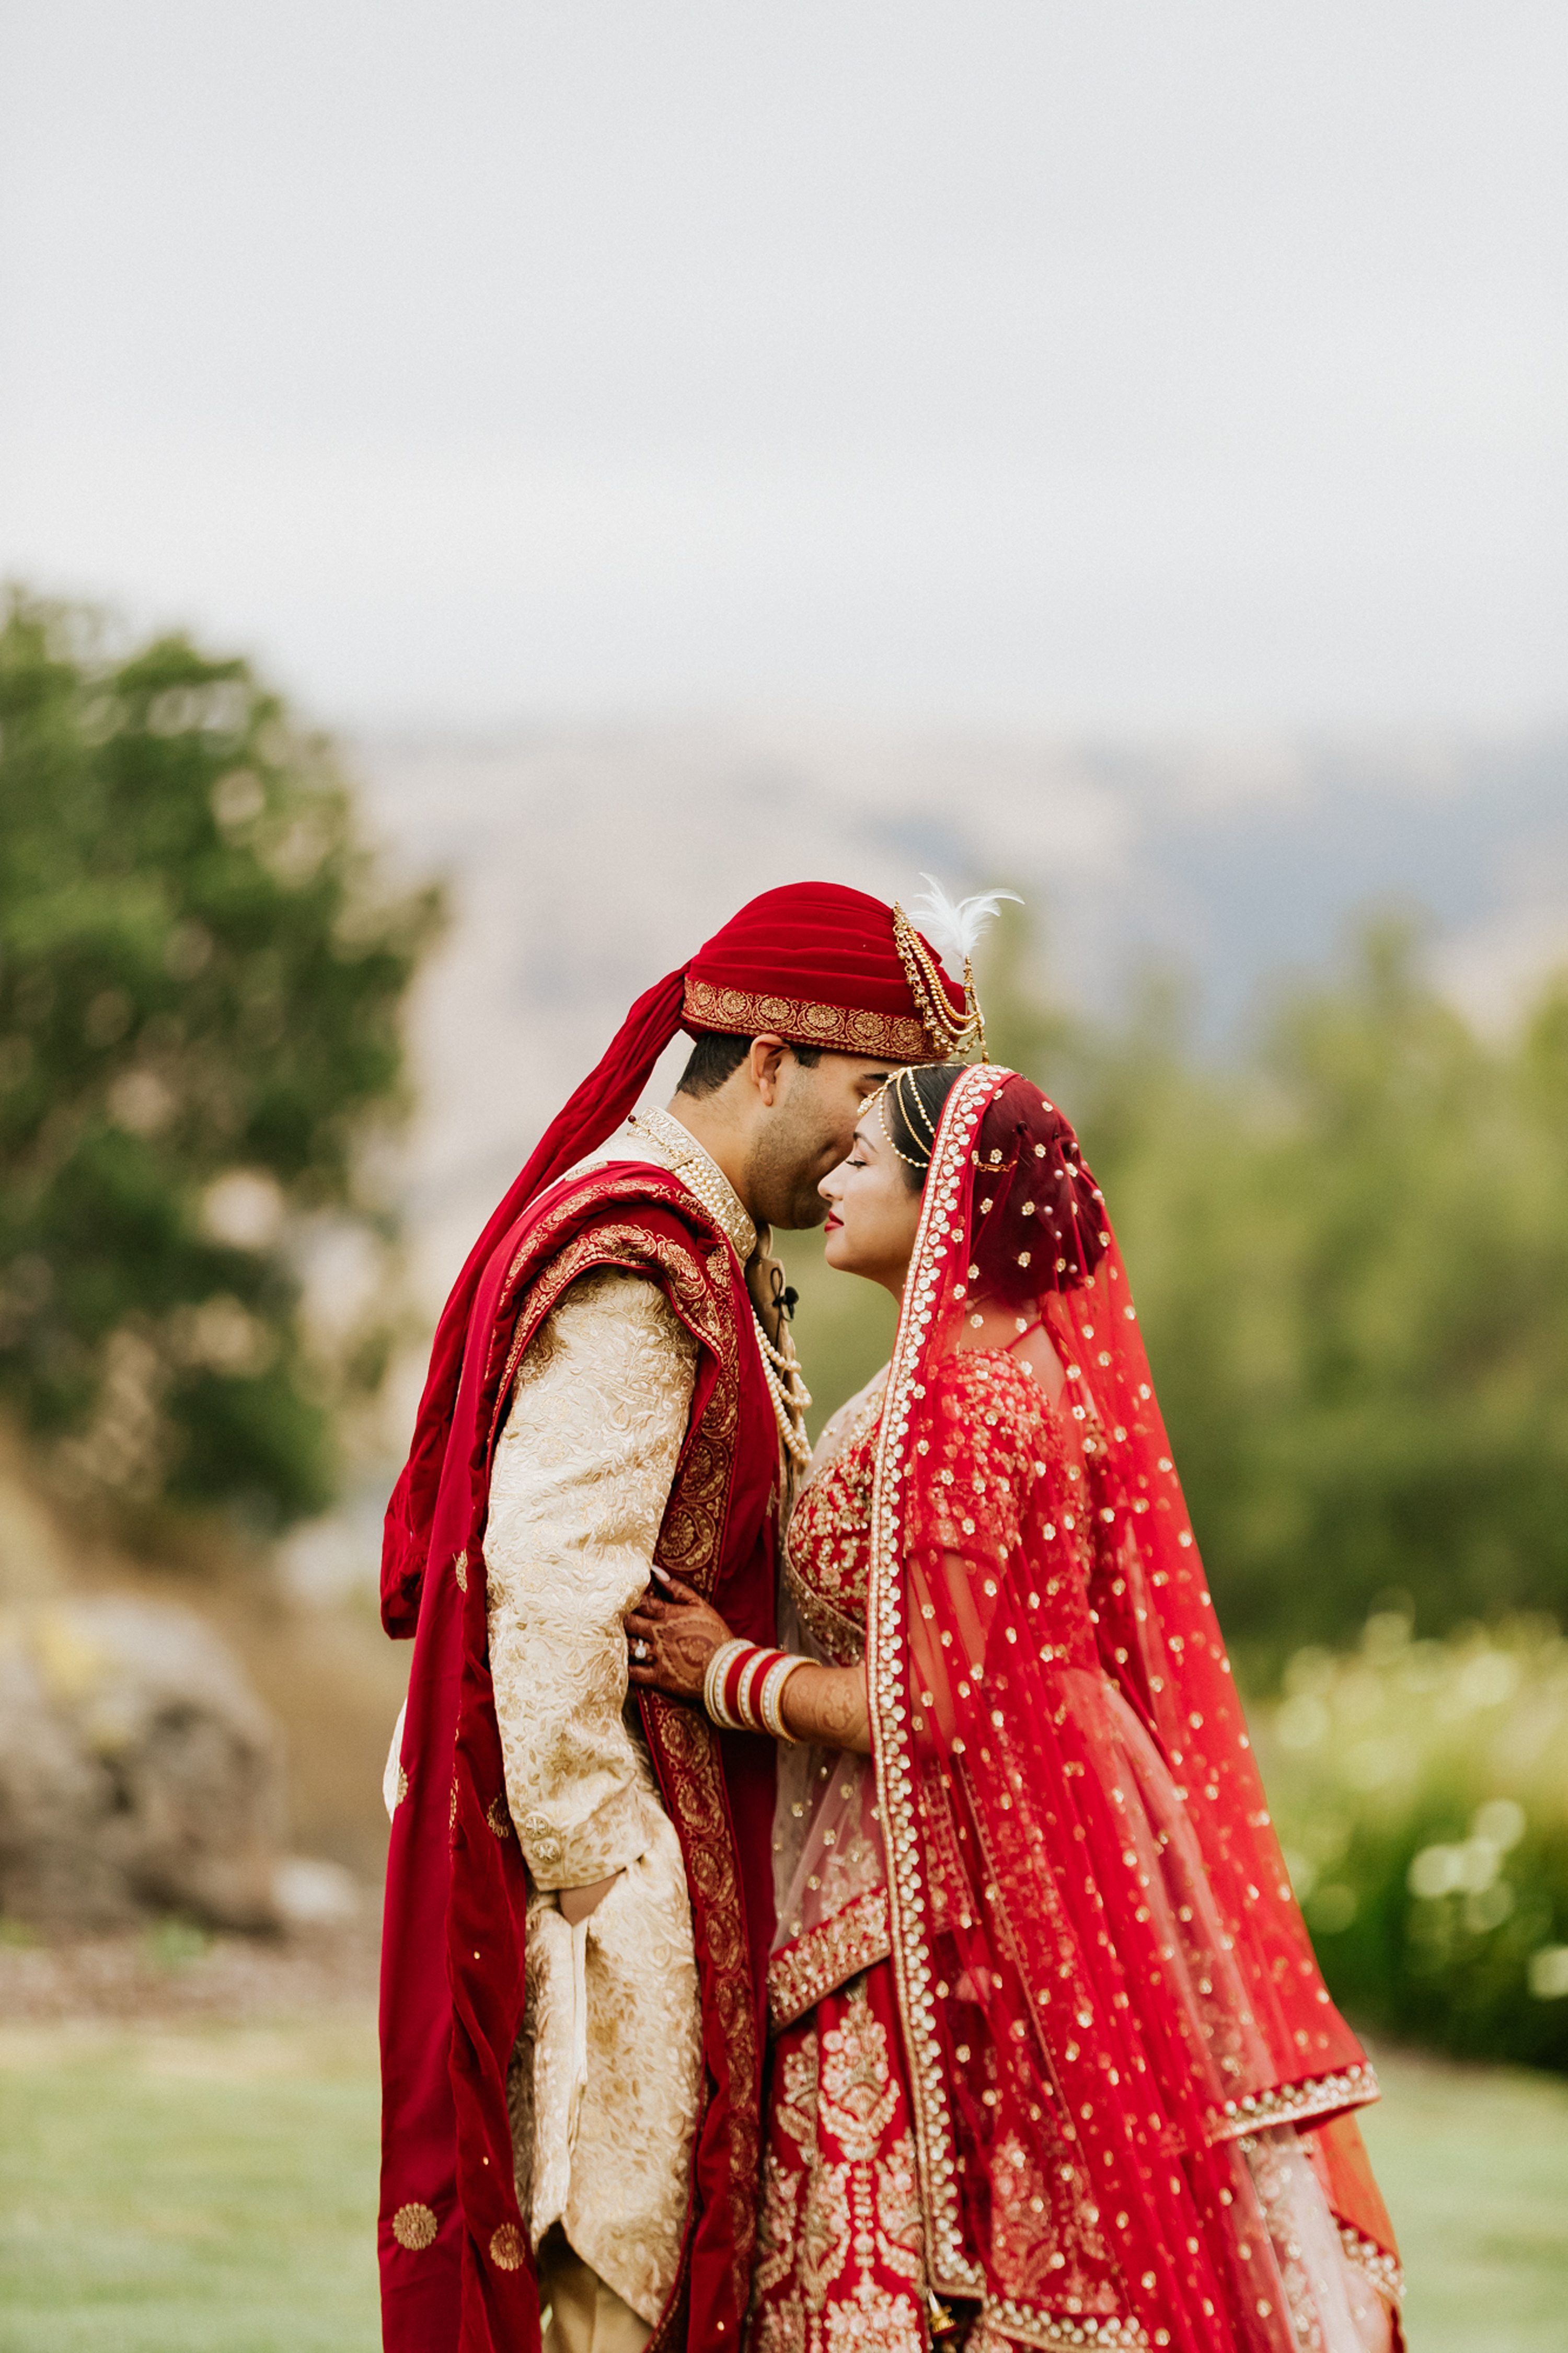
(950, 1038)
(915, 1116)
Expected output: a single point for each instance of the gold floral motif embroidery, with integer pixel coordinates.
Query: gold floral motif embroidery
(825, 2233)
(498, 1818)
(778, 2227)
(779, 2328)
(849, 1030)
(628, 1246)
(796, 2095)
(877, 2320)
(461, 1571)
(900, 2237)
(507, 2249)
(828, 1956)
(841, 2220)
(413, 2227)
(857, 2092)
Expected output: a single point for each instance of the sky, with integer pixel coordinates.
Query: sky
(1125, 368)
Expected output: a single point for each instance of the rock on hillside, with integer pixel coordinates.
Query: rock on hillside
(138, 1770)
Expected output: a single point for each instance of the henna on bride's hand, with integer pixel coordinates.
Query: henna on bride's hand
(680, 1636)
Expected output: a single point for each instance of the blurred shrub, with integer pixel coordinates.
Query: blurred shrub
(1350, 1258)
(1420, 1789)
(200, 985)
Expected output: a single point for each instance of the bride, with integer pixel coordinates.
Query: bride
(1052, 2063)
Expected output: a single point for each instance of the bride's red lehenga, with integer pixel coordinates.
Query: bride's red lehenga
(1066, 2073)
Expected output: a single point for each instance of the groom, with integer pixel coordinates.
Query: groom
(579, 1897)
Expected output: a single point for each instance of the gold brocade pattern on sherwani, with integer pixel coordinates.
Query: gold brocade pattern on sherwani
(578, 1489)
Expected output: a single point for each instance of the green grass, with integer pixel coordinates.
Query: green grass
(1473, 2165)
(213, 2191)
(200, 2191)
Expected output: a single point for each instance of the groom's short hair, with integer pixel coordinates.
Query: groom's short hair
(718, 1053)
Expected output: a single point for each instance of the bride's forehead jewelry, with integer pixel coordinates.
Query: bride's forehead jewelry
(882, 1094)
(912, 1105)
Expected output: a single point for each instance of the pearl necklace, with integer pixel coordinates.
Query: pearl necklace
(781, 1366)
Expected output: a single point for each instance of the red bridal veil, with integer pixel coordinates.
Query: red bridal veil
(1104, 1978)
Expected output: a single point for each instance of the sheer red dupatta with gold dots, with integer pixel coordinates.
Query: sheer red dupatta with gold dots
(1108, 1992)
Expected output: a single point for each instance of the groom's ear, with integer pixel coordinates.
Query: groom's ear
(765, 1065)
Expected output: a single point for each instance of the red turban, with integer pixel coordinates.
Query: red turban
(814, 962)
(822, 966)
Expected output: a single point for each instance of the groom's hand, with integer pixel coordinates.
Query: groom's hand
(671, 1635)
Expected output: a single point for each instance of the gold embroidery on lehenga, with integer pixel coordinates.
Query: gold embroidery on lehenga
(802, 1972)
(900, 2237)
(825, 2233)
(826, 1552)
(841, 2232)
(859, 2091)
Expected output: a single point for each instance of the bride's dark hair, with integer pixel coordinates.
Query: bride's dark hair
(1039, 1218)
(912, 1104)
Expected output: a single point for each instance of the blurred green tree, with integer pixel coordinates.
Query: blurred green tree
(1351, 1256)
(200, 985)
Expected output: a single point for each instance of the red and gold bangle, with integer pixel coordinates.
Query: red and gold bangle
(744, 1685)
(771, 1691)
(720, 1673)
(736, 1671)
(756, 1663)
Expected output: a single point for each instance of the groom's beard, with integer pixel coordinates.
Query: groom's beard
(789, 1162)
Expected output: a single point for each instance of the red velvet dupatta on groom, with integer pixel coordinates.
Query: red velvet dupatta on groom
(458, 2272)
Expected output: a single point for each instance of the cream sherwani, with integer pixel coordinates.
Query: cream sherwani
(607, 2081)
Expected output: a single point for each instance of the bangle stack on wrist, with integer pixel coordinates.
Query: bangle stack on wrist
(744, 1684)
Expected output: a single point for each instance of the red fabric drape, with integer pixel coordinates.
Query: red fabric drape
(456, 2268)
(595, 1112)
(1104, 1974)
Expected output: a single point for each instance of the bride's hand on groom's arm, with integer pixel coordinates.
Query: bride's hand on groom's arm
(678, 1633)
(672, 1633)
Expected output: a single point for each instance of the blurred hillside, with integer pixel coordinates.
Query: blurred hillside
(582, 863)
